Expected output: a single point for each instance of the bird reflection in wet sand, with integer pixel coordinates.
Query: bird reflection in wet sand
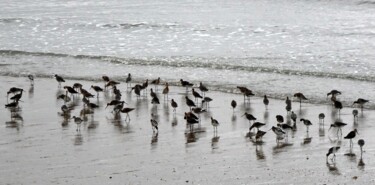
(31, 91)
(154, 138)
(174, 121)
(215, 141)
(191, 137)
(78, 139)
(259, 152)
(332, 168)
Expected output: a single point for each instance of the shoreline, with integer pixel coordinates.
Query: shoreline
(107, 150)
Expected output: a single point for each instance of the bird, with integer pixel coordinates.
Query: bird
(333, 151)
(17, 97)
(206, 100)
(256, 125)
(266, 101)
(246, 92)
(156, 82)
(249, 117)
(355, 115)
(128, 80)
(155, 100)
(13, 90)
(91, 105)
(259, 135)
(203, 88)
(152, 93)
(361, 142)
(288, 108)
(196, 94)
(334, 92)
(12, 105)
(70, 90)
(279, 118)
(97, 89)
(285, 127)
(77, 86)
(280, 133)
(105, 78)
(59, 79)
(307, 123)
(114, 103)
(360, 102)
(301, 97)
(137, 90)
(186, 84)
(166, 90)
(64, 109)
(154, 125)
(321, 118)
(118, 107)
(85, 93)
(31, 78)
(78, 121)
(111, 83)
(190, 103)
(338, 105)
(338, 125)
(351, 135)
(191, 119)
(293, 116)
(144, 85)
(174, 105)
(126, 110)
(214, 123)
(288, 101)
(233, 104)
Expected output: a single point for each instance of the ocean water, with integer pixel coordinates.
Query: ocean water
(276, 48)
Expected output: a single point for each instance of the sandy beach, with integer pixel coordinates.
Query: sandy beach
(39, 146)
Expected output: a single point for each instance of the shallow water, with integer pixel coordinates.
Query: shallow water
(274, 48)
(39, 146)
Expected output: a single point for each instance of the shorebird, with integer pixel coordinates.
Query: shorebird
(186, 84)
(259, 135)
(144, 86)
(355, 115)
(233, 104)
(126, 110)
(77, 86)
(191, 119)
(105, 78)
(206, 100)
(78, 121)
(166, 90)
(266, 101)
(334, 92)
(64, 109)
(31, 78)
(338, 105)
(13, 90)
(114, 103)
(350, 136)
(111, 83)
(70, 90)
(307, 123)
(203, 88)
(321, 118)
(360, 102)
(12, 105)
(280, 133)
(156, 82)
(174, 105)
(196, 95)
(285, 127)
(118, 107)
(249, 117)
(190, 103)
(154, 125)
(155, 100)
(91, 105)
(214, 123)
(288, 101)
(17, 97)
(361, 142)
(246, 93)
(338, 125)
(137, 90)
(301, 97)
(288, 108)
(86, 93)
(59, 79)
(97, 89)
(152, 93)
(293, 116)
(128, 81)
(279, 118)
(333, 151)
(256, 125)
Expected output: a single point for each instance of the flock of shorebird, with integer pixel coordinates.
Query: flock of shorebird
(192, 116)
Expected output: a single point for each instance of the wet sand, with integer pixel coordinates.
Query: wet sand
(39, 146)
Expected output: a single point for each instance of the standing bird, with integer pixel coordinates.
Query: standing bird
(12, 105)
(214, 123)
(361, 142)
(360, 102)
(259, 135)
(350, 136)
(156, 82)
(128, 81)
(137, 90)
(97, 89)
(266, 101)
(166, 90)
(190, 103)
(126, 110)
(59, 79)
(279, 118)
(155, 100)
(206, 100)
(338, 105)
(256, 125)
(203, 88)
(70, 90)
(249, 117)
(154, 125)
(338, 125)
(233, 104)
(78, 121)
(280, 133)
(301, 97)
(13, 90)
(152, 93)
(105, 78)
(196, 95)
(355, 115)
(334, 92)
(333, 151)
(288, 101)
(186, 84)
(321, 118)
(307, 123)
(17, 97)
(174, 105)
(31, 78)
